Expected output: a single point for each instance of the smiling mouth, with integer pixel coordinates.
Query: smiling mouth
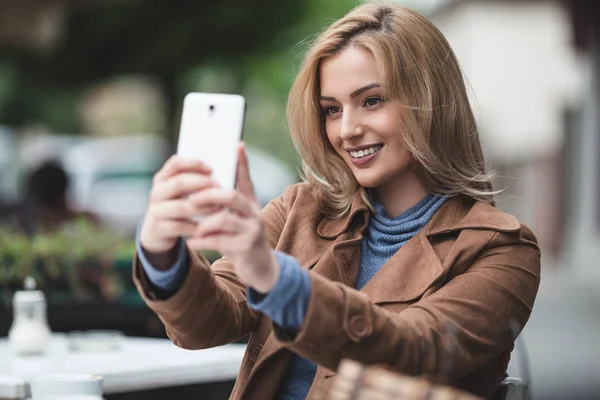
(357, 155)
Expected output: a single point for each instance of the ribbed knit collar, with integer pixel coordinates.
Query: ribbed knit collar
(385, 231)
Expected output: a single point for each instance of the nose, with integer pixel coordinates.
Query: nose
(350, 128)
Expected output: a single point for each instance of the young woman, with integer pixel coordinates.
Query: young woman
(391, 252)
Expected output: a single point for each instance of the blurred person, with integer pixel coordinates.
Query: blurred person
(391, 252)
(44, 207)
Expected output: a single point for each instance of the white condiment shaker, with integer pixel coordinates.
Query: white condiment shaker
(29, 332)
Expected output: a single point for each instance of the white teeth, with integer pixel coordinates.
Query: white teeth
(365, 152)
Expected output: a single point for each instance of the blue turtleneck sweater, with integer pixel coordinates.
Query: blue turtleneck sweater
(287, 303)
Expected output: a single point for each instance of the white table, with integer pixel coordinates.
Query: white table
(140, 364)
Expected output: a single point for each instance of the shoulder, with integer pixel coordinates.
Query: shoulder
(478, 226)
(508, 240)
(504, 224)
(299, 197)
(296, 208)
(481, 235)
(464, 214)
(299, 192)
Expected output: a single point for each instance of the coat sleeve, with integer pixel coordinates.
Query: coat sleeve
(210, 307)
(467, 322)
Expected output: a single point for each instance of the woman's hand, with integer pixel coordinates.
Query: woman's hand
(237, 230)
(169, 210)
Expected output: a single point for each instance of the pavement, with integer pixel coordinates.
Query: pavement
(562, 339)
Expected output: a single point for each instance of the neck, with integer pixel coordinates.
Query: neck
(400, 194)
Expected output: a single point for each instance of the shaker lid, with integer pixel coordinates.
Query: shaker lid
(29, 294)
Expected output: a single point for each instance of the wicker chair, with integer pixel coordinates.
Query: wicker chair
(355, 381)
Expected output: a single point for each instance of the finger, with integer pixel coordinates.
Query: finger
(210, 243)
(181, 185)
(179, 209)
(222, 222)
(170, 229)
(231, 199)
(177, 164)
(243, 181)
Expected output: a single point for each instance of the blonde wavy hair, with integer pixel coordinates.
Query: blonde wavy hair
(420, 72)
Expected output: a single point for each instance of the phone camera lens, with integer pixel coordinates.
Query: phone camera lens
(212, 107)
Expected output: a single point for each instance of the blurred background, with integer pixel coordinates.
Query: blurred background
(90, 101)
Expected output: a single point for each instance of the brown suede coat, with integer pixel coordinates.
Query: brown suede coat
(447, 305)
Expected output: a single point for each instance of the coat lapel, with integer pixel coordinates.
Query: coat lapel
(415, 266)
(407, 274)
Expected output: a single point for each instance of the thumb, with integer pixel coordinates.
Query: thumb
(244, 183)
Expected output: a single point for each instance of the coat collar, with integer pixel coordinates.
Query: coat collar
(460, 213)
(456, 214)
(330, 228)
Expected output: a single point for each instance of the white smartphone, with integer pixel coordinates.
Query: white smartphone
(211, 130)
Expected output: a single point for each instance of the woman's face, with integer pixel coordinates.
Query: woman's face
(362, 127)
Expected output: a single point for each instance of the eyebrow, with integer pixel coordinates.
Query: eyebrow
(356, 93)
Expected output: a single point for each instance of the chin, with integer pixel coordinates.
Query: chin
(369, 182)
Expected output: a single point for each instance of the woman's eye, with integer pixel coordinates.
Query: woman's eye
(331, 110)
(373, 101)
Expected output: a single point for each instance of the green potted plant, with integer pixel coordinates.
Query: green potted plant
(76, 263)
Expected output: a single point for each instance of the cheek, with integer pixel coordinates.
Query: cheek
(389, 119)
(333, 134)
(391, 130)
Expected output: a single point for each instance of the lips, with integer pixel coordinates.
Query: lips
(365, 154)
(364, 151)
